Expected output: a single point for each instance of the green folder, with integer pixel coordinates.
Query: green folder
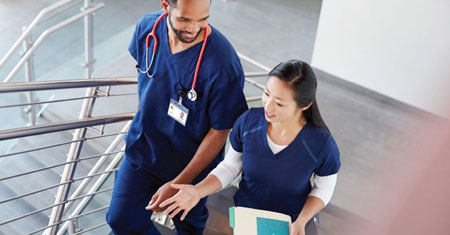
(267, 226)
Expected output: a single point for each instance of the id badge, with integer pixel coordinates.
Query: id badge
(178, 112)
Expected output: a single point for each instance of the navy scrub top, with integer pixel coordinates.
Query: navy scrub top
(157, 143)
(280, 182)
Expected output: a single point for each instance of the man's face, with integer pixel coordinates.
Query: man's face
(188, 18)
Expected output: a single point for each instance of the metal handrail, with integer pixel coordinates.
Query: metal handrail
(94, 188)
(48, 102)
(255, 83)
(65, 84)
(46, 33)
(63, 126)
(87, 213)
(32, 25)
(32, 193)
(254, 62)
(256, 74)
(57, 185)
(253, 98)
(85, 113)
(60, 144)
(91, 228)
(100, 162)
(58, 165)
(52, 206)
(64, 100)
(66, 220)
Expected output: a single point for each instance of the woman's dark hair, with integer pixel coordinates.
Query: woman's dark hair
(300, 76)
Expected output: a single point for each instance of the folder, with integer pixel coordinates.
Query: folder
(248, 221)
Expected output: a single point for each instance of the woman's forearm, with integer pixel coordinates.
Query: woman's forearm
(208, 185)
(312, 206)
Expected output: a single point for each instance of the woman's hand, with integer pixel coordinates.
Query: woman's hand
(187, 197)
(297, 228)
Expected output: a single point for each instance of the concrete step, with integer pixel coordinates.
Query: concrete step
(25, 184)
(17, 208)
(218, 204)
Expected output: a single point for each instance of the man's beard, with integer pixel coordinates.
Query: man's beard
(178, 33)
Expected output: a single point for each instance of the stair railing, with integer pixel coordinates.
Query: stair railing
(85, 120)
(29, 47)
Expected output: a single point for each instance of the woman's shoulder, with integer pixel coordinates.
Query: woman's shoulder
(321, 138)
(319, 132)
(253, 114)
(256, 111)
(250, 117)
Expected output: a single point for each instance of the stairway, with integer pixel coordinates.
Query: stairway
(35, 181)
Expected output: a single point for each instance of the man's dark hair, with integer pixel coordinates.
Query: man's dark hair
(172, 3)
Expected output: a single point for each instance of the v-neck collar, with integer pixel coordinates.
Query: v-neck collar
(166, 46)
(297, 139)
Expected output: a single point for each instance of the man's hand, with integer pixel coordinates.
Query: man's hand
(163, 193)
(206, 152)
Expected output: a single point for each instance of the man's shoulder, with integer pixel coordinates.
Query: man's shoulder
(221, 48)
(147, 21)
(218, 36)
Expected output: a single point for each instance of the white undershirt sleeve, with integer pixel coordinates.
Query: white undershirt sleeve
(229, 168)
(323, 187)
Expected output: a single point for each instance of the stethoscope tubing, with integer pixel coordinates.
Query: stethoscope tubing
(192, 95)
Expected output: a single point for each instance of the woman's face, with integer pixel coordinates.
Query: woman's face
(278, 101)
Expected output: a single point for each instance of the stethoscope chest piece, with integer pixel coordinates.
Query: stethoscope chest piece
(192, 95)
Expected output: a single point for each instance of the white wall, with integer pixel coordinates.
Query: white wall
(399, 48)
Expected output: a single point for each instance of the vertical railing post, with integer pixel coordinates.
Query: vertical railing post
(88, 40)
(72, 227)
(29, 76)
(86, 111)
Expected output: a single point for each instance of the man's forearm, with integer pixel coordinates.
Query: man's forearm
(206, 152)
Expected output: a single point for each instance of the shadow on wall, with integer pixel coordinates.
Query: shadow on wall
(420, 201)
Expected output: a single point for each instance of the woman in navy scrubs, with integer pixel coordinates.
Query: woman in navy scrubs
(277, 148)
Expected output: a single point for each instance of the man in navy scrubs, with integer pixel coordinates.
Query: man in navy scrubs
(175, 138)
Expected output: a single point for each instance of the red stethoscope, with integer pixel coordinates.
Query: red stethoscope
(191, 94)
